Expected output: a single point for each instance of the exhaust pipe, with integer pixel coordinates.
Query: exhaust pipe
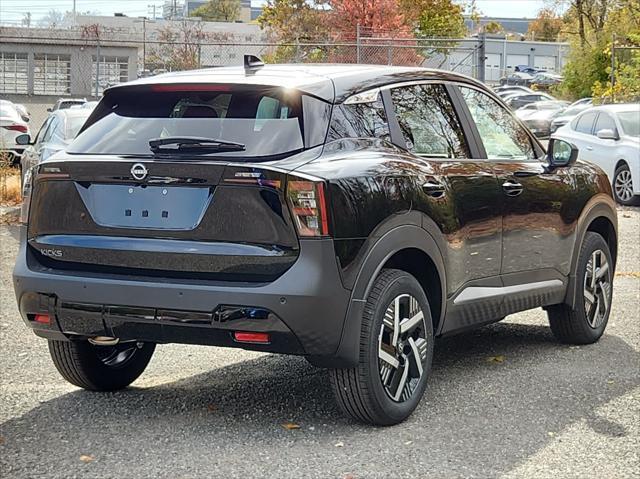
(104, 341)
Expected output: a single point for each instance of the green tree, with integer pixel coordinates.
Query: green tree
(493, 27)
(435, 18)
(218, 11)
(590, 27)
(294, 20)
(295, 24)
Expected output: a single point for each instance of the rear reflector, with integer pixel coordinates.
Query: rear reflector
(244, 337)
(42, 319)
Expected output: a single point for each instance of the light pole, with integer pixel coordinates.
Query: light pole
(144, 21)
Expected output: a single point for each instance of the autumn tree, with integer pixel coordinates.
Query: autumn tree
(546, 27)
(373, 18)
(218, 11)
(379, 27)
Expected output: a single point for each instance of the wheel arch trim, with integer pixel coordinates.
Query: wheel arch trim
(392, 242)
(600, 206)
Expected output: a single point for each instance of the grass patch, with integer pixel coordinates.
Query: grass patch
(10, 193)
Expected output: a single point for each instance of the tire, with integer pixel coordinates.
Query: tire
(586, 323)
(623, 186)
(100, 368)
(359, 391)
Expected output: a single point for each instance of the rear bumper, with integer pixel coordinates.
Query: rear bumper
(305, 307)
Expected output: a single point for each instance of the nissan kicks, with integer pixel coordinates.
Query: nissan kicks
(347, 214)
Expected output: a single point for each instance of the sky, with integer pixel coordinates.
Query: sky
(12, 11)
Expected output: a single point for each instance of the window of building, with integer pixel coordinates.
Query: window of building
(13, 72)
(51, 74)
(113, 70)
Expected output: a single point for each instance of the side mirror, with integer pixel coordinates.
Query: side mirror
(608, 134)
(23, 139)
(561, 153)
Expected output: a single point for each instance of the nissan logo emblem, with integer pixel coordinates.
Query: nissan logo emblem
(139, 171)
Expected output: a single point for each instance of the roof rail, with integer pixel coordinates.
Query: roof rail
(251, 62)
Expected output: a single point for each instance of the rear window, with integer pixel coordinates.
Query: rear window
(268, 121)
(73, 126)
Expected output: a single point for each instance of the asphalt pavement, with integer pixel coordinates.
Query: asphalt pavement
(503, 401)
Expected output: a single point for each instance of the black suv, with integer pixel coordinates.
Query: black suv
(348, 214)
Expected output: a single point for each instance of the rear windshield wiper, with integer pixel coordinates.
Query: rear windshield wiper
(193, 144)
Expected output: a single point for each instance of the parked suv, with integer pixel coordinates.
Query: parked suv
(348, 214)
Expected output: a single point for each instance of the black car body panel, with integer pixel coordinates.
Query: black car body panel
(486, 236)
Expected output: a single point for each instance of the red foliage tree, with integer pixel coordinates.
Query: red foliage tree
(379, 22)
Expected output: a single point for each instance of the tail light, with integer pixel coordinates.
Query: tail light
(27, 182)
(17, 127)
(309, 207)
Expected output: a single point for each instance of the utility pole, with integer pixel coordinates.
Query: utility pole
(97, 64)
(358, 43)
(613, 67)
(144, 21)
(482, 56)
(74, 13)
(153, 9)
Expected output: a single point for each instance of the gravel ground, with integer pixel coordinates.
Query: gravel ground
(546, 410)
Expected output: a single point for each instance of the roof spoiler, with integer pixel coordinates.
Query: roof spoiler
(252, 62)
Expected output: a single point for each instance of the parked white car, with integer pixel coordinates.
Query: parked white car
(11, 126)
(609, 136)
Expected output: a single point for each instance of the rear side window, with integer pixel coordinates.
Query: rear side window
(359, 120)
(428, 121)
(267, 121)
(605, 122)
(584, 123)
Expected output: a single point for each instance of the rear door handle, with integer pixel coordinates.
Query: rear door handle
(512, 188)
(434, 189)
(590, 148)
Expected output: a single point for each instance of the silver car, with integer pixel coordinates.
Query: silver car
(55, 134)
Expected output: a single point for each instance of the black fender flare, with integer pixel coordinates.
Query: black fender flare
(391, 242)
(600, 206)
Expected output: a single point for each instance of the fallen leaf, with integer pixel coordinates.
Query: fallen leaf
(625, 215)
(628, 274)
(312, 428)
(551, 434)
(290, 426)
(212, 407)
(408, 443)
(349, 476)
(86, 458)
(610, 381)
(339, 444)
(496, 359)
(1, 440)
